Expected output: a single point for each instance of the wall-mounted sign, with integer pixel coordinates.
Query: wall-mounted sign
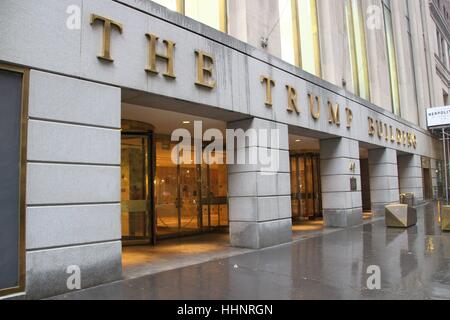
(438, 117)
(353, 184)
(162, 51)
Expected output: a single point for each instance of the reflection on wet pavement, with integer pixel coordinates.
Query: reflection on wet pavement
(415, 264)
(138, 261)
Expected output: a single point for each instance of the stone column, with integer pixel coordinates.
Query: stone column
(410, 174)
(259, 199)
(383, 172)
(73, 184)
(339, 164)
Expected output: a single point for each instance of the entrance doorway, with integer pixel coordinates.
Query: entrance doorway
(136, 187)
(365, 185)
(162, 199)
(427, 186)
(427, 181)
(305, 187)
(189, 198)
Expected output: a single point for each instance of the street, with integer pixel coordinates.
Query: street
(414, 264)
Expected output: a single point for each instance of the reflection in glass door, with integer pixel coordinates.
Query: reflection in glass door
(135, 187)
(166, 190)
(189, 206)
(189, 198)
(214, 195)
(305, 187)
(161, 199)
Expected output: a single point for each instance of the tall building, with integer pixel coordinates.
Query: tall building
(93, 94)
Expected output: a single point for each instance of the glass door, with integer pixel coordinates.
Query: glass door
(218, 194)
(305, 187)
(166, 190)
(295, 189)
(189, 199)
(136, 192)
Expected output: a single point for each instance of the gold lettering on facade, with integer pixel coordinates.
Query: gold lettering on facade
(269, 82)
(153, 55)
(292, 99)
(349, 113)
(386, 132)
(314, 100)
(392, 134)
(352, 166)
(409, 139)
(334, 114)
(379, 126)
(205, 70)
(399, 136)
(383, 130)
(107, 26)
(371, 127)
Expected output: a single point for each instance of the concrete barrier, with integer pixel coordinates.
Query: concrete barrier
(445, 218)
(400, 216)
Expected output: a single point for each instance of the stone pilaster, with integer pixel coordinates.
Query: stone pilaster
(259, 198)
(384, 189)
(410, 174)
(339, 165)
(73, 184)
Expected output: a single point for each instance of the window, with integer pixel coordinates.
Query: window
(210, 12)
(300, 34)
(392, 58)
(288, 29)
(411, 50)
(448, 60)
(438, 37)
(444, 50)
(357, 46)
(173, 5)
(13, 124)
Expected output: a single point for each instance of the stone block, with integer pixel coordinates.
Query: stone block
(445, 218)
(47, 269)
(400, 216)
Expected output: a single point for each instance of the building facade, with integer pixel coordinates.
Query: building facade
(93, 91)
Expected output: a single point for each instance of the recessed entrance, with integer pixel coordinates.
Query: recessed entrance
(136, 187)
(173, 214)
(365, 183)
(305, 187)
(306, 194)
(189, 198)
(162, 199)
(426, 179)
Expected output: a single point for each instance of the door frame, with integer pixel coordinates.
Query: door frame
(316, 191)
(134, 128)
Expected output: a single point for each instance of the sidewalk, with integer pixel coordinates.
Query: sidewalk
(414, 263)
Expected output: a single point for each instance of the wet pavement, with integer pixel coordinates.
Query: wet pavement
(138, 261)
(414, 263)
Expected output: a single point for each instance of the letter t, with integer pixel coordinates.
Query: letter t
(107, 25)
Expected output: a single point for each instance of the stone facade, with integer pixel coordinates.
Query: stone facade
(73, 153)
